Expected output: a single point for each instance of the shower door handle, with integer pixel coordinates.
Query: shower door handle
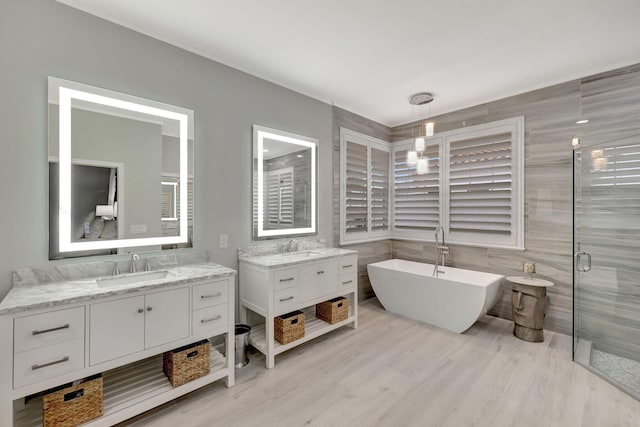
(580, 266)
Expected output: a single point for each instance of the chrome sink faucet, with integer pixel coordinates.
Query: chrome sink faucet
(292, 246)
(134, 258)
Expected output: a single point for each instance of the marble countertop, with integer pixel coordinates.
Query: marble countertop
(42, 295)
(293, 258)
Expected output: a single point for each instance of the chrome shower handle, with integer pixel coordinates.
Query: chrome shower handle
(578, 259)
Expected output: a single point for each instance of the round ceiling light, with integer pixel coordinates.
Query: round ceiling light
(420, 98)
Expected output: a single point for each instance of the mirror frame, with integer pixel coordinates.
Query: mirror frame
(259, 134)
(64, 91)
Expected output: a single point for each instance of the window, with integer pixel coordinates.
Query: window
(474, 187)
(484, 180)
(364, 190)
(416, 198)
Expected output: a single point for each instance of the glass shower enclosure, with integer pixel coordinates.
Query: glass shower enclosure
(606, 204)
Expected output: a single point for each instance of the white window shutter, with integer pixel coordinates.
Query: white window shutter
(364, 188)
(480, 178)
(279, 198)
(356, 194)
(379, 190)
(484, 176)
(416, 198)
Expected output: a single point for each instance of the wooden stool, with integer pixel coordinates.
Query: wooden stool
(529, 305)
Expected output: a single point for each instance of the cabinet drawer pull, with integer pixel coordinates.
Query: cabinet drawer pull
(288, 279)
(149, 308)
(217, 294)
(347, 282)
(141, 310)
(55, 362)
(347, 266)
(285, 299)
(320, 272)
(211, 319)
(44, 331)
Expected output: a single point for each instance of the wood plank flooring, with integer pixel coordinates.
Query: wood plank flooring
(394, 371)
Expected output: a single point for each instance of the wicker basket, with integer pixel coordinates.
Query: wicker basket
(187, 363)
(333, 311)
(73, 404)
(289, 327)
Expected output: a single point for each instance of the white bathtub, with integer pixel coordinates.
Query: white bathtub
(453, 301)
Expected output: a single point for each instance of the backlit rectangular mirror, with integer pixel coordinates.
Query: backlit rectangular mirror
(120, 172)
(284, 184)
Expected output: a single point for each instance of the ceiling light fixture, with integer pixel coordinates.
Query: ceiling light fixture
(417, 157)
(583, 121)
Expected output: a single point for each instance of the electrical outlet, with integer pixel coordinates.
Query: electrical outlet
(223, 241)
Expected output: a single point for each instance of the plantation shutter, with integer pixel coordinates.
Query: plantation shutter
(615, 166)
(416, 197)
(166, 205)
(356, 200)
(379, 190)
(189, 201)
(279, 198)
(480, 184)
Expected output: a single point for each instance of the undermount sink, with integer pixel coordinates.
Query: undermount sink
(128, 279)
(301, 254)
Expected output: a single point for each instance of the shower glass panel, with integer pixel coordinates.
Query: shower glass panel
(607, 260)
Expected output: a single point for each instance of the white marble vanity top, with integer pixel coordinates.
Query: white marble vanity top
(291, 258)
(41, 295)
(530, 281)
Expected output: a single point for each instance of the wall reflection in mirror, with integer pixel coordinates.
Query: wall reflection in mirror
(284, 194)
(120, 172)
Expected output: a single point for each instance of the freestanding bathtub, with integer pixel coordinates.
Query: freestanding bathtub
(453, 301)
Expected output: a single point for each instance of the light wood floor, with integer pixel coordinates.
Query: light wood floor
(393, 371)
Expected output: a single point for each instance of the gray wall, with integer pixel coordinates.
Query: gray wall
(41, 38)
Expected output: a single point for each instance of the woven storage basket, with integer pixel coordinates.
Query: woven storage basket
(289, 327)
(73, 404)
(333, 311)
(187, 363)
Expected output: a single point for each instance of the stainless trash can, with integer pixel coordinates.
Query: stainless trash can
(242, 341)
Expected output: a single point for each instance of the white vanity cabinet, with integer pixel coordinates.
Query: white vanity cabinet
(133, 324)
(273, 285)
(120, 333)
(318, 279)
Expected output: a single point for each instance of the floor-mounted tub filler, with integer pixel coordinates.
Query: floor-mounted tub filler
(454, 300)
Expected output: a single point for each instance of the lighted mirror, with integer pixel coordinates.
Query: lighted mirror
(120, 172)
(284, 184)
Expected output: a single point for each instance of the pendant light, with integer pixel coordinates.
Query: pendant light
(417, 157)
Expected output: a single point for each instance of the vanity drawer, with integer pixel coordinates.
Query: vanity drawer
(43, 363)
(46, 329)
(210, 318)
(285, 300)
(210, 294)
(347, 265)
(347, 282)
(283, 279)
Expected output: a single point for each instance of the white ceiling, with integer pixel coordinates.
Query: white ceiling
(369, 56)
